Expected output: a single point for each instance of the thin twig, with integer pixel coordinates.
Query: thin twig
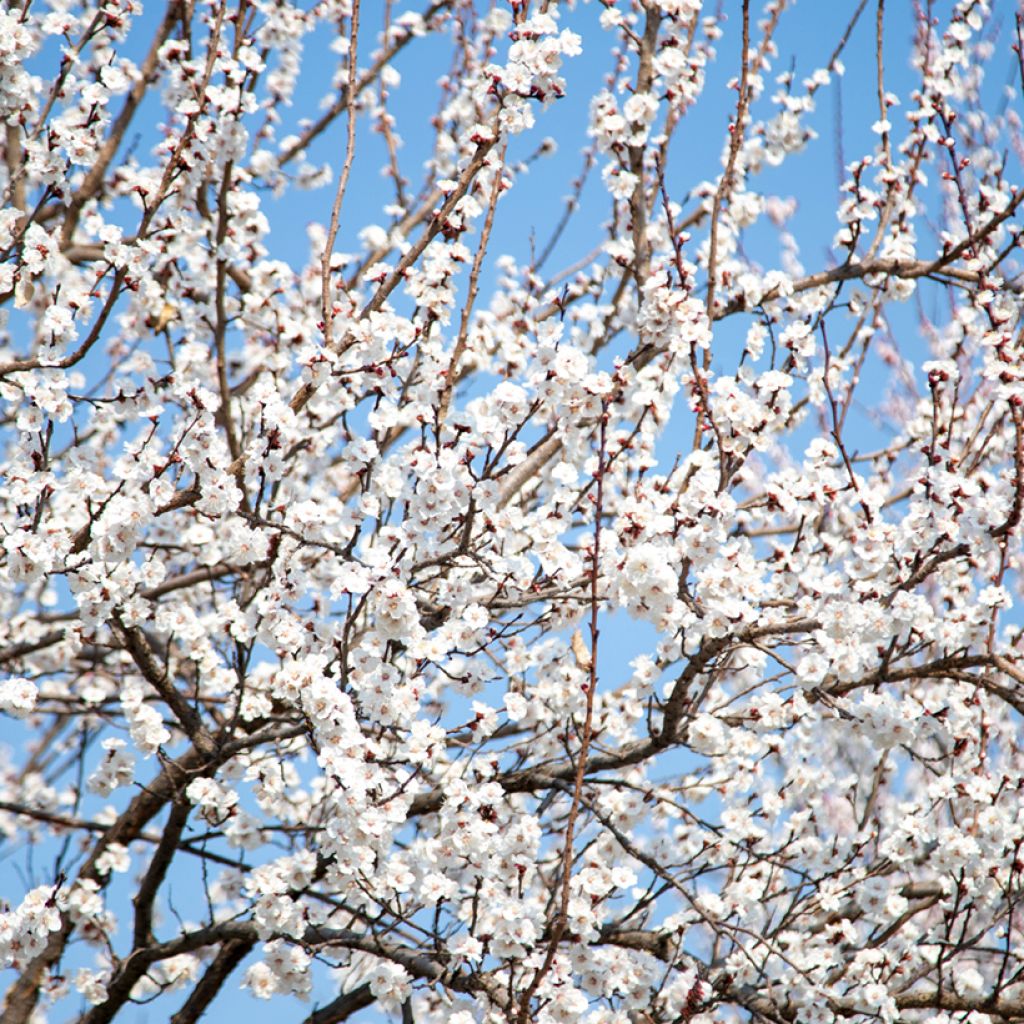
(326, 300)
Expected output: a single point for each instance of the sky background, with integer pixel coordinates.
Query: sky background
(806, 37)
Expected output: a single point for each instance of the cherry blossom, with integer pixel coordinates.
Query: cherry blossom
(490, 614)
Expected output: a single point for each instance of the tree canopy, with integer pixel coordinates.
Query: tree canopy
(563, 586)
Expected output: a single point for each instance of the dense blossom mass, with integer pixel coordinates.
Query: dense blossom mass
(485, 617)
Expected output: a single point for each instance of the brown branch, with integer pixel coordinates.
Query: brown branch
(638, 197)
(94, 179)
(725, 182)
(587, 661)
(145, 896)
(467, 310)
(1017, 502)
(134, 641)
(19, 365)
(341, 104)
(326, 301)
(221, 324)
(21, 998)
(343, 1006)
(228, 957)
(419, 964)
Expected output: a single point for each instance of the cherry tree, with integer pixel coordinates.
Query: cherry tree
(317, 573)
